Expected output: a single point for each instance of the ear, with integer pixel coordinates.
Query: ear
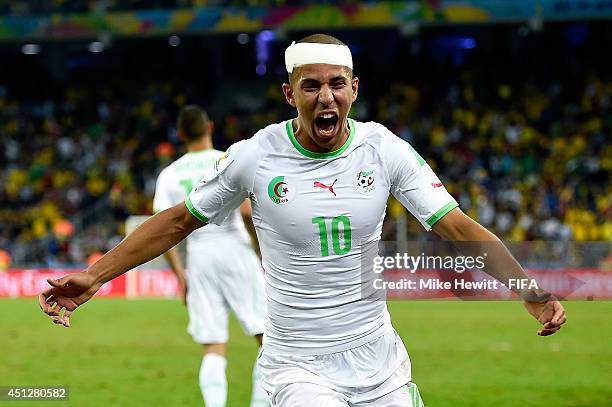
(288, 91)
(355, 87)
(210, 128)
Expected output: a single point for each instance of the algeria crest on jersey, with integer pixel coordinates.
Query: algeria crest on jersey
(365, 181)
(280, 190)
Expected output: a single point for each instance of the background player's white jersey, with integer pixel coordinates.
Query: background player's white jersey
(315, 214)
(176, 181)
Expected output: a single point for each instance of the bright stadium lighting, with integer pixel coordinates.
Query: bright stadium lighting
(95, 46)
(262, 46)
(242, 38)
(174, 40)
(467, 43)
(266, 35)
(30, 49)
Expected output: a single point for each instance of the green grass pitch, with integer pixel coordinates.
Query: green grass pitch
(137, 353)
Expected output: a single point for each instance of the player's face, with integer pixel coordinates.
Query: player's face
(323, 95)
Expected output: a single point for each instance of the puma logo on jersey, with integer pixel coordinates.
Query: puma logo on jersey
(436, 184)
(318, 184)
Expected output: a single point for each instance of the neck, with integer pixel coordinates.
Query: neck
(307, 140)
(205, 143)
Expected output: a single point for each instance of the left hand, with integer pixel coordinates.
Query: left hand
(550, 314)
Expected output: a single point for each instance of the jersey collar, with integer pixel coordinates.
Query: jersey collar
(312, 154)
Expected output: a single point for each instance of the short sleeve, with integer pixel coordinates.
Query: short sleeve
(413, 182)
(162, 199)
(227, 185)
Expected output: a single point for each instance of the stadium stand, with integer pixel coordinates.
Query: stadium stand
(532, 179)
(37, 7)
(522, 143)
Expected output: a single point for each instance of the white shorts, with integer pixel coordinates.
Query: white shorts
(374, 374)
(226, 276)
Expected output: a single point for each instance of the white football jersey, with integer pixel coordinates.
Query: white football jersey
(176, 181)
(316, 214)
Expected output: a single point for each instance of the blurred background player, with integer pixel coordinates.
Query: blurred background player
(223, 271)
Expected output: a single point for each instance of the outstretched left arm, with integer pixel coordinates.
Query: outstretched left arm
(458, 227)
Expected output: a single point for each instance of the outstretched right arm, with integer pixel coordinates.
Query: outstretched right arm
(216, 196)
(154, 237)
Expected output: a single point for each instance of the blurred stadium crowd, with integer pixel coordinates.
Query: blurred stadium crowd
(36, 7)
(530, 162)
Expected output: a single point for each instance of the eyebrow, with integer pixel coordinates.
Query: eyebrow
(312, 81)
(338, 78)
(309, 81)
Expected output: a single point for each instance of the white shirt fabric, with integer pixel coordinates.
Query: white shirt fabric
(176, 181)
(313, 238)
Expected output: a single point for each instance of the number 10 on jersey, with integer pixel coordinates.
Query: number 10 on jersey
(338, 247)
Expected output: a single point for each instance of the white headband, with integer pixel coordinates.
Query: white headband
(304, 53)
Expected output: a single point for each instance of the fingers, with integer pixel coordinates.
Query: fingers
(65, 319)
(55, 309)
(56, 283)
(55, 312)
(559, 316)
(553, 323)
(42, 300)
(548, 331)
(62, 319)
(562, 320)
(558, 319)
(59, 308)
(552, 316)
(47, 303)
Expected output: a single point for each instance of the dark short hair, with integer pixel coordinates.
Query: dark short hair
(193, 121)
(322, 39)
(318, 39)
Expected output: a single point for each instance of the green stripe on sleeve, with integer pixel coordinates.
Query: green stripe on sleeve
(420, 159)
(441, 212)
(194, 211)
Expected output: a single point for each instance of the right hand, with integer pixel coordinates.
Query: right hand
(67, 294)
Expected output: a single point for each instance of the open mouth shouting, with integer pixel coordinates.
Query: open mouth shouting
(326, 124)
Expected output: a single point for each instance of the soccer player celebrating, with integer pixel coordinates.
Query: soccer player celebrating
(223, 270)
(318, 185)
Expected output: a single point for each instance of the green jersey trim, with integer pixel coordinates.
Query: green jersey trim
(206, 151)
(312, 154)
(417, 155)
(194, 211)
(441, 212)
